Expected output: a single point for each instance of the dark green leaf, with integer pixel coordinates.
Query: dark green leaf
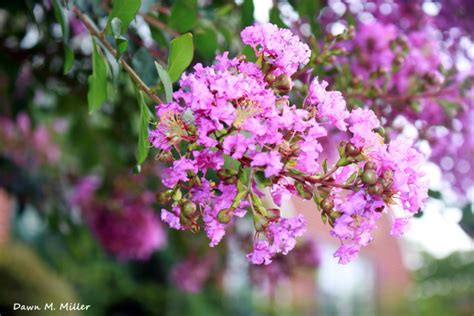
(143, 64)
(261, 179)
(434, 194)
(183, 15)
(97, 93)
(247, 13)
(206, 43)
(181, 55)
(143, 142)
(68, 59)
(275, 17)
(125, 10)
(249, 53)
(165, 79)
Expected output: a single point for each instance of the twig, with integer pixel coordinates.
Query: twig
(157, 23)
(93, 30)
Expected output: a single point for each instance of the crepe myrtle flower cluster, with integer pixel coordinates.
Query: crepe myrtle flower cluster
(231, 133)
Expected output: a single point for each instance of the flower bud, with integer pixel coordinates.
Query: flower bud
(223, 173)
(283, 83)
(369, 176)
(184, 220)
(376, 189)
(225, 215)
(281, 103)
(189, 208)
(380, 131)
(327, 205)
(273, 214)
(270, 78)
(165, 156)
(352, 150)
(163, 197)
(370, 165)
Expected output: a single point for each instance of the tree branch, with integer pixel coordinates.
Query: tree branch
(95, 32)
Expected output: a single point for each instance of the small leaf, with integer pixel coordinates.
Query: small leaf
(351, 179)
(183, 15)
(324, 217)
(122, 44)
(261, 180)
(165, 79)
(181, 55)
(97, 93)
(325, 166)
(143, 142)
(61, 16)
(68, 59)
(125, 10)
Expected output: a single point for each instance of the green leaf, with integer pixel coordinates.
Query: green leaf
(61, 16)
(122, 44)
(141, 62)
(247, 13)
(275, 17)
(143, 142)
(249, 53)
(183, 15)
(125, 10)
(97, 93)
(206, 43)
(261, 180)
(434, 194)
(165, 79)
(181, 55)
(325, 166)
(68, 59)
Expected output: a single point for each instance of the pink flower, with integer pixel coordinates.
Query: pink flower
(330, 104)
(278, 47)
(400, 226)
(270, 160)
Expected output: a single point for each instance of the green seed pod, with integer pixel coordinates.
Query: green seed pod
(369, 176)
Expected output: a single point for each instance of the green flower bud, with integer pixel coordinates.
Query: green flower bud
(376, 189)
(352, 150)
(163, 197)
(270, 78)
(189, 208)
(225, 215)
(370, 165)
(327, 205)
(369, 176)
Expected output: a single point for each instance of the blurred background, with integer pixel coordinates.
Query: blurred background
(79, 221)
